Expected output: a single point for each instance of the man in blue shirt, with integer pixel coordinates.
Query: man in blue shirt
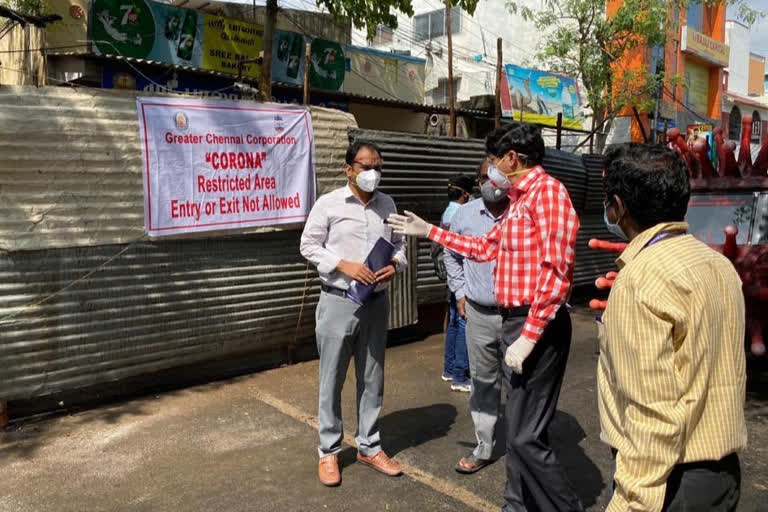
(456, 364)
(473, 287)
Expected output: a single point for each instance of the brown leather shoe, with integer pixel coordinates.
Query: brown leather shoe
(380, 462)
(328, 470)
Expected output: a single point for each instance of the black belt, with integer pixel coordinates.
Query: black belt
(332, 290)
(487, 310)
(513, 312)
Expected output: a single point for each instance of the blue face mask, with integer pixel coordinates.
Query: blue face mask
(614, 229)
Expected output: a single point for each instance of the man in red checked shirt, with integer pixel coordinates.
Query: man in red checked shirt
(533, 248)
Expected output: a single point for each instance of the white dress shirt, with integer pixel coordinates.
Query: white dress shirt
(341, 227)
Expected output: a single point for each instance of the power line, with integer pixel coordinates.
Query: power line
(47, 48)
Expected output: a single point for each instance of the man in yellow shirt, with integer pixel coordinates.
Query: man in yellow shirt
(671, 374)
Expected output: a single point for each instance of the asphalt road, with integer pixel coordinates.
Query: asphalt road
(249, 444)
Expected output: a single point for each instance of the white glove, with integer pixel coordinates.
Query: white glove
(409, 224)
(517, 352)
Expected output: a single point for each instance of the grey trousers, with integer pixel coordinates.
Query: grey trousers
(485, 360)
(344, 330)
(535, 478)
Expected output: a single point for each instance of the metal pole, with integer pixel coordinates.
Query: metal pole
(497, 123)
(270, 22)
(306, 74)
(640, 124)
(559, 139)
(451, 92)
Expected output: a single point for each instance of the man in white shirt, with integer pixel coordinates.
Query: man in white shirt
(342, 228)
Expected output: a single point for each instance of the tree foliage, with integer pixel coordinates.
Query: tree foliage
(582, 42)
(369, 14)
(32, 7)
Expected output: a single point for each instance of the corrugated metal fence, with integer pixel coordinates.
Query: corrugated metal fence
(70, 184)
(71, 200)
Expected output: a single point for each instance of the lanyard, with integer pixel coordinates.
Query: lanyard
(661, 236)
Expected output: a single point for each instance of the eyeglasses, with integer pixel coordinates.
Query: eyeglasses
(366, 167)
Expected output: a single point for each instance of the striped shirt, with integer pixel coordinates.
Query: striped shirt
(533, 247)
(671, 373)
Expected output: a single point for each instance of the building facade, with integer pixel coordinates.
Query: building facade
(744, 87)
(474, 39)
(696, 55)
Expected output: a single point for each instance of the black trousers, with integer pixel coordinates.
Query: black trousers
(704, 486)
(535, 479)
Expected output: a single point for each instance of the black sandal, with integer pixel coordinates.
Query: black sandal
(475, 463)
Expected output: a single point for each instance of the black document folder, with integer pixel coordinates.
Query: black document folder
(379, 257)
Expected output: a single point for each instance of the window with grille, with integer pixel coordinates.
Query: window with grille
(432, 24)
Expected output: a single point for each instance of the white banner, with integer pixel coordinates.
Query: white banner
(213, 165)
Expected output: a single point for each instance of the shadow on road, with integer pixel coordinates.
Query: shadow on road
(565, 434)
(412, 427)
(409, 428)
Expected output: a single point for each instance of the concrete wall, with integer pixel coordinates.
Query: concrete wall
(755, 85)
(737, 37)
(376, 117)
(19, 66)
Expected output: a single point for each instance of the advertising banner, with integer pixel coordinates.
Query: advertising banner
(377, 73)
(151, 30)
(350, 69)
(327, 61)
(540, 96)
(288, 57)
(702, 132)
(214, 165)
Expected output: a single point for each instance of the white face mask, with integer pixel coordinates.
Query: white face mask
(501, 180)
(497, 178)
(368, 180)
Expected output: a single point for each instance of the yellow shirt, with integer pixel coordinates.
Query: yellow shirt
(672, 370)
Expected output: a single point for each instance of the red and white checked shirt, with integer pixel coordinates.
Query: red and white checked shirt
(533, 247)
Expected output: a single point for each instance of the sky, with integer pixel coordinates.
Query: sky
(758, 31)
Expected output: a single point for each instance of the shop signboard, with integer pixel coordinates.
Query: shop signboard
(704, 47)
(538, 96)
(144, 29)
(121, 76)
